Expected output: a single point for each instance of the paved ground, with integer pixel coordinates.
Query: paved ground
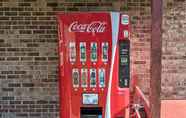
(173, 109)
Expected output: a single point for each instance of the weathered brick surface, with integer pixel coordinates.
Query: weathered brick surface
(140, 12)
(174, 50)
(28, 59)
(28, 51)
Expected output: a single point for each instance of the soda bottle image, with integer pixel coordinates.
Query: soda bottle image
(72, 47)
(105, 52)
(82, 51)
(93, 52)
(84, 77)
(75, 77)
(102, 77)
(92, 77)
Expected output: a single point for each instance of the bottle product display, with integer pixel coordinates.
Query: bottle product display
(105, 52)
(75, 77)
(84, 71)
(94, 52)
(72, 51)
(101, 77)
(84, 77)
(92, 77)
(82, 51)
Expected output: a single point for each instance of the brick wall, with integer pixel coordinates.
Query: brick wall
(140, 12)
(28, 60)
(28, 51)
(174, 50)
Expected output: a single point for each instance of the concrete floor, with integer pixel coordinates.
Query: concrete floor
(173, 109)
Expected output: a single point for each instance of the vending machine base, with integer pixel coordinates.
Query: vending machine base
(93, 112)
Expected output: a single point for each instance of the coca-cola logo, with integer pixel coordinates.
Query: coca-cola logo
(95, 26)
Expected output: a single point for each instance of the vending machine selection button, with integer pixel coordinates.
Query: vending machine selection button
(105, 51)
(125, 33)
(101, 77)
(84, 77)
(125, 19)
(72, 51)
(93, 52)
(92, 77)
(75, 77)
(82, 51)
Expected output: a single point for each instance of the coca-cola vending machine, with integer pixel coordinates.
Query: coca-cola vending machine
(94, 64)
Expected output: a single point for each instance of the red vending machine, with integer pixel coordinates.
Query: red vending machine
(94, 65)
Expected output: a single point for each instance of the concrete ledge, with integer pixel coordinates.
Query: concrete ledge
(173, 109)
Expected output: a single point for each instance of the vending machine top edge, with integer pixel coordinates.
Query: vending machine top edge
(94, 66)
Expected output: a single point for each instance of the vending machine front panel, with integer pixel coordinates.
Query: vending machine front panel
(90, 48)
